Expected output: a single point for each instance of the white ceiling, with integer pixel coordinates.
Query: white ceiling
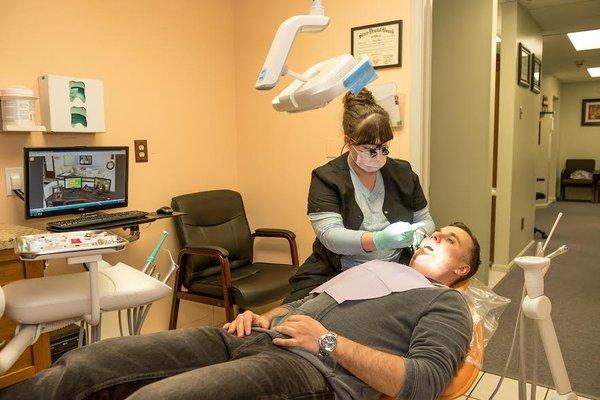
(557, 18)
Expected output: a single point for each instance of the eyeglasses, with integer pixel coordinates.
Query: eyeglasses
(383, 148)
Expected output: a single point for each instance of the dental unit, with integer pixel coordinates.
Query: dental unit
(50, 303)
(537, 306)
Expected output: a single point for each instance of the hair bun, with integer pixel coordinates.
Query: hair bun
(364, 97)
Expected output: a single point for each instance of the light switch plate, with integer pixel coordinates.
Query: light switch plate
(7, 173)
(140, 147)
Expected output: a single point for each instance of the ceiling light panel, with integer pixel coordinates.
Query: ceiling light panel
(585, 40)
(594, 72)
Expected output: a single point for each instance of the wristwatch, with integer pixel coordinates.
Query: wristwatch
(327, 343)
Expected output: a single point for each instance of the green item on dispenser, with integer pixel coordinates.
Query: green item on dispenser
(76, 90)
(78, 116)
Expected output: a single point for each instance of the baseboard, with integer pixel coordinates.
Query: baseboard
(510, 265)
(546, 204)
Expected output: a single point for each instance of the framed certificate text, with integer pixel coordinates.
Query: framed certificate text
(381, 42)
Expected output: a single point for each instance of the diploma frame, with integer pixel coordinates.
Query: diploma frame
(380, 51)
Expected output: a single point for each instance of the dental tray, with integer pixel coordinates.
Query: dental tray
(56, 245)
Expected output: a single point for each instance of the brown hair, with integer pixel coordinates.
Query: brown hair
(365, 121)
(475, 256)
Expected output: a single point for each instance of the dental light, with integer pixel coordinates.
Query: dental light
(322, 82)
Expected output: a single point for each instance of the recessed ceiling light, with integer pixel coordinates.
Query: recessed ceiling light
(594, 72)
(585, 40)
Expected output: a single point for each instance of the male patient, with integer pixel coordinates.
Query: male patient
(395, 333)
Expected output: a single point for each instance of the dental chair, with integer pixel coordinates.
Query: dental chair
(469, 369)
(50, 303)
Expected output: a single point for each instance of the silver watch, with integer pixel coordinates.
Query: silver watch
(327, 343)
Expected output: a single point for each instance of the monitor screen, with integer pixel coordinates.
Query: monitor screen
(73, 183)
(67, 180)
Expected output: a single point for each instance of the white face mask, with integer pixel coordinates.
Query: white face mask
(366, 162)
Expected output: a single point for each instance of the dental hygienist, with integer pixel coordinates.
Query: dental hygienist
(362, 205)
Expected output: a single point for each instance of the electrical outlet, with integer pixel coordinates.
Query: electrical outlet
(12, 172)
(522, 223)
(141, 150)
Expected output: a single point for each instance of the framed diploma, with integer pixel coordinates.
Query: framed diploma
(381, 42)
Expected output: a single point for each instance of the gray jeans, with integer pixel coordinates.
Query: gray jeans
(199, 363)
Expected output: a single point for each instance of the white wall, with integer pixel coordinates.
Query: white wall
(517, 139)
(547, 154)
(463, 72)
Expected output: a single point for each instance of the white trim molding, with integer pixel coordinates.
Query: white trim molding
(510, 265)
(420, 93)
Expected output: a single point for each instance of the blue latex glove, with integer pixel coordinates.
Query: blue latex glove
(395, 236)
(419, 234)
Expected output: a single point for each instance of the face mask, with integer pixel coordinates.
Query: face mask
(366, 162)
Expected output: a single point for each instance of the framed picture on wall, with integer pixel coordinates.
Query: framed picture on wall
(524, 61)
(381, 42)
(590, 112)
(536, 74)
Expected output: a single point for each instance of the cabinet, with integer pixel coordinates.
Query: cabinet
(37, 356)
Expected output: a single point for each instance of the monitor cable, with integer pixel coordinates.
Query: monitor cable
(19, 193)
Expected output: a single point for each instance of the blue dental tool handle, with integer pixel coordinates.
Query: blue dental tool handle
(152, 257)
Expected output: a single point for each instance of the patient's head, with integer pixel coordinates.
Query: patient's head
(449, 255)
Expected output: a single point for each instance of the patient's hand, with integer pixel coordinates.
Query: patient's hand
(303, 331)
(243, 323)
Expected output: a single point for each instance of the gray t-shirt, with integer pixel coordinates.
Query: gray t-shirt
(430, 327)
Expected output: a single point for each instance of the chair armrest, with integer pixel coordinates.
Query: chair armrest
(281, 233)
(210, 251)
(214, 251)
(267, 232)
(563, 173)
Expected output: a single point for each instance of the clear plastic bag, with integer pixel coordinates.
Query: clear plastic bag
(486, 307)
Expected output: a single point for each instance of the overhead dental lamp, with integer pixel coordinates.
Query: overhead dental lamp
(322, 82)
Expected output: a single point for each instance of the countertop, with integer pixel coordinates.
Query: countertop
(8, 232)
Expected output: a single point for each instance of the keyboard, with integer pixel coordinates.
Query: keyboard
(89, 221)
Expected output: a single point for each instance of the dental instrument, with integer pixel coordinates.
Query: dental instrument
(322, 82)
(561, 250)
(537, 306)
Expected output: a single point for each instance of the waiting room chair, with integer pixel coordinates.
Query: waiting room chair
(216, 261)
(571, 166)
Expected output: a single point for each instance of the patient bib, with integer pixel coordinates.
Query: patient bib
(372, 280)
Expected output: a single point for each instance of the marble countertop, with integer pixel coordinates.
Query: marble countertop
(8, 232)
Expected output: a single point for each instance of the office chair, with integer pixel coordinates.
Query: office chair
(216, 260)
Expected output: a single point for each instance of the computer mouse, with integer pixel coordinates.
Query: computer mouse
(165, 210)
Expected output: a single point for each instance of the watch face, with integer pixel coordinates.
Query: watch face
(328, 343)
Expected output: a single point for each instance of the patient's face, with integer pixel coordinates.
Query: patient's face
(441, 254)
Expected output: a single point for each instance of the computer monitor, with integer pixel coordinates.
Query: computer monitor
(73, 183)
(70, 180)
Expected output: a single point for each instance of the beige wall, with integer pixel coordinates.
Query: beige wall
(463, 59)
(181, 75)
(517, 137)
(168, 72)
(547, 154)
(278, 151)
(577, 141)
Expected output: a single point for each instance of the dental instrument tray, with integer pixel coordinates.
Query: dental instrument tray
(56, 245)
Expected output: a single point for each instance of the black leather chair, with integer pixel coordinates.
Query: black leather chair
(216, 261)
(572, 166)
